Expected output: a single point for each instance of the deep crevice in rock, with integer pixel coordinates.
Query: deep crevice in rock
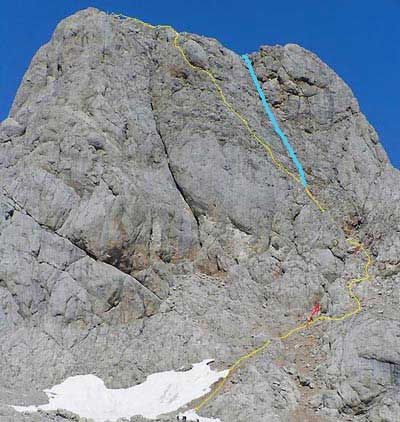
(178, 187)
(77, 243)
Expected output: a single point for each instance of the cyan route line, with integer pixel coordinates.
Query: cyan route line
(274, 122)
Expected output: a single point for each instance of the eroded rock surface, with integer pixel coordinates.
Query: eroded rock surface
(143, 229)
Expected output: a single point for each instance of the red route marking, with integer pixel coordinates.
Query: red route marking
(314, 312)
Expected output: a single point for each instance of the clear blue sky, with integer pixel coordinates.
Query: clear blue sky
(359, 39)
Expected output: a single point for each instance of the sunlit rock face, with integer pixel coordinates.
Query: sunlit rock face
(142, 227)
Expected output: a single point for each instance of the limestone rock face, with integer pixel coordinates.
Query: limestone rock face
(143, 229)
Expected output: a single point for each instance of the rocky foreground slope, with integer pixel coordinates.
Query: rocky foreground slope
(142, 229)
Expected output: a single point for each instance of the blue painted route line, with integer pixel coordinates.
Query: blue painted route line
(274, 122)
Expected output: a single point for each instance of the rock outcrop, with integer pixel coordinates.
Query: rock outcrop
(142, 229)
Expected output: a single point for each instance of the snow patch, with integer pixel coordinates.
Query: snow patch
(191, 415)
(162, 392)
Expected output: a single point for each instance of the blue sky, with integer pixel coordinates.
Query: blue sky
(359, 39)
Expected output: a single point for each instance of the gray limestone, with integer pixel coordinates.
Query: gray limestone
(143, 229)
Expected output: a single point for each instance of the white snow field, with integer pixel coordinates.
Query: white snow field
(191, 415)
(162, 392)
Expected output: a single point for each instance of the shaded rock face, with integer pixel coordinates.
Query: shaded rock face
(142, 229)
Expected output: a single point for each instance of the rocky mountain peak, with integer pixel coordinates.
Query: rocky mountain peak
(143, 228)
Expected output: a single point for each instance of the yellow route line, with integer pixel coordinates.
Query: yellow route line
(301, 327)
(267, 148)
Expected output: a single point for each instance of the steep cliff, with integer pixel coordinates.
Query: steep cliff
(143, 229)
